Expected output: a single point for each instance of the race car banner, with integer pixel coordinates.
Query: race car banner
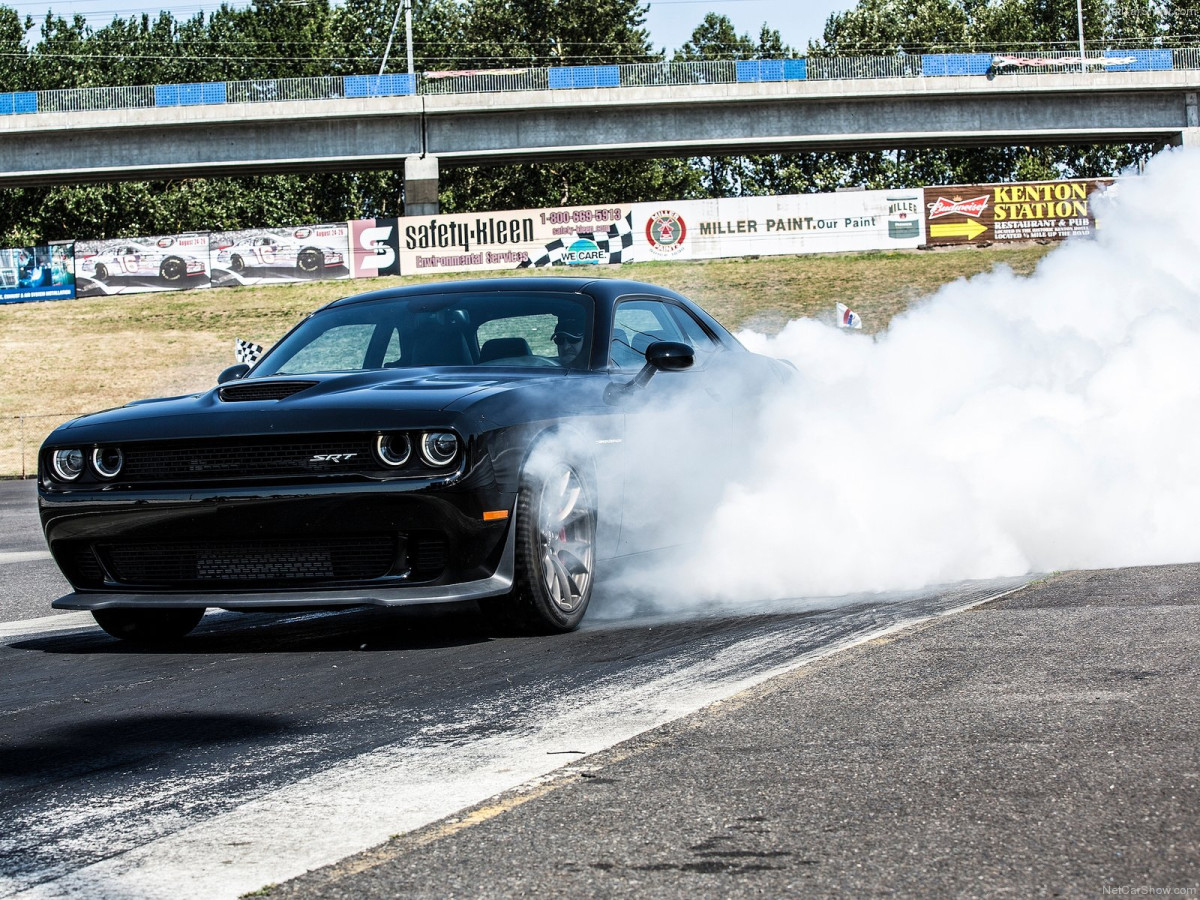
(767, 226)
(523, 238)
(171, 262)
(275, 255)
(45, 272)
(1026, 211)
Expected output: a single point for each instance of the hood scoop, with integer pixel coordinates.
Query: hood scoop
(262, 390)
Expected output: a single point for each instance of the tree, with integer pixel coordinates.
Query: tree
(887, 27)
(1181, 22)
(541, 33)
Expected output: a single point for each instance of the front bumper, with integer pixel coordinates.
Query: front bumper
(293, 547)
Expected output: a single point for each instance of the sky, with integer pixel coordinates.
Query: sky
(670, 21)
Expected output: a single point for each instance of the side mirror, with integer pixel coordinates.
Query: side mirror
(668, 356)
(661, 356)
(233, 373)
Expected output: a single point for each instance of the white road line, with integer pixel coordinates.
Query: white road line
(20, 556)
(67, 621)
(362, 802)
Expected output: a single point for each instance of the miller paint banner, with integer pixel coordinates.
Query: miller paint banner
(771, 226)
(169, 262)
(520, 239)
(1027, 211)
(45, 272)
(273, 255)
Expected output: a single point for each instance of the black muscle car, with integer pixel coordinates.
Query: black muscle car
(469, 440)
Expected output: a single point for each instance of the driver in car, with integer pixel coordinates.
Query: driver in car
(568, 338)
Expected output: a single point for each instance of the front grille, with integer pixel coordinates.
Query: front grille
(248, 458)
(427, 556)
(263, 562)
(266, 390)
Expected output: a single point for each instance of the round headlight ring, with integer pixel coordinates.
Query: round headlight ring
(393, 450)
(107, 461)
(439, 448)
(67, 464)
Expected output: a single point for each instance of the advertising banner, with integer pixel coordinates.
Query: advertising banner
(767, 226)
(1026, 211)
(374, 248)
(524, 238)
(37, 273)
(173, 262)
(275, 255)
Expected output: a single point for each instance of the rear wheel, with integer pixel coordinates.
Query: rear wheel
(172, 269)
(555, 552)
(148, 627)
(310, 260)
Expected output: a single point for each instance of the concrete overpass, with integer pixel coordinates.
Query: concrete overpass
(423, 132)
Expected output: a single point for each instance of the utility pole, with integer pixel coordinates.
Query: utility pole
(1082, 57)
(406, 6)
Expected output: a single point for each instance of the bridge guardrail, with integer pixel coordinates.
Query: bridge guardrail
(812, 68)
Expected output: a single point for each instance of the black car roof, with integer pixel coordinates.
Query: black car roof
(598, 288)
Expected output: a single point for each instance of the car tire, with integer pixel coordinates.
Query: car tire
(555, 547)
(237, 265)
(172, 269)
(101, 272)
(148, 627)
(310, 260)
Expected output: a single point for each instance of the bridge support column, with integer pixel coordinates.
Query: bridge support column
(420, 185)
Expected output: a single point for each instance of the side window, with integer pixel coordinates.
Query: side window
(636, 325)
(702, 342)
(517, 336)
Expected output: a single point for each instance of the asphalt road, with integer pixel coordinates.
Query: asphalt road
(30, 578)
(1046, 744)
(1043, 743)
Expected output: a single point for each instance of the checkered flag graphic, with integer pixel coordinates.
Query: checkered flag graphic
(247, 351)
(616, 242)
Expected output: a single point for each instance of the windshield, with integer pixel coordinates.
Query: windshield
(503, 328)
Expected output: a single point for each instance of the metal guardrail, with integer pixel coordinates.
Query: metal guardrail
(815, 68)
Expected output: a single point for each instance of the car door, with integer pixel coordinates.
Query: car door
(676, 426)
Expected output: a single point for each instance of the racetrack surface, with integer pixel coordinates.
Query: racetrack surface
(1043, 742)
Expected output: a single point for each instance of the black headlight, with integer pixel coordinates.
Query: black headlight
(107, 461)
(439, 448)
(67, 464)
(393, 449)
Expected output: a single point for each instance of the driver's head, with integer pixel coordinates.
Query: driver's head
(568, 338)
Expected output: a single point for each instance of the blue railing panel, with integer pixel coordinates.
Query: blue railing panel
(795, 69)
(1143, 60)
(397, 85)
(562, 77)
(166, 95)
(955, 63)
(763, 69)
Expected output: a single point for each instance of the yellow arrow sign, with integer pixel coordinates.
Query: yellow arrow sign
(969, 229)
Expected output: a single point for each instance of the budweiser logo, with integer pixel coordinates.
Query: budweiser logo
(945, 207)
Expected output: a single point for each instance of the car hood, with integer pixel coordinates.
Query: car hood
(352, 401)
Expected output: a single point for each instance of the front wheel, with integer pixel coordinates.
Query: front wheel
(555, 552)
(148, 627)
